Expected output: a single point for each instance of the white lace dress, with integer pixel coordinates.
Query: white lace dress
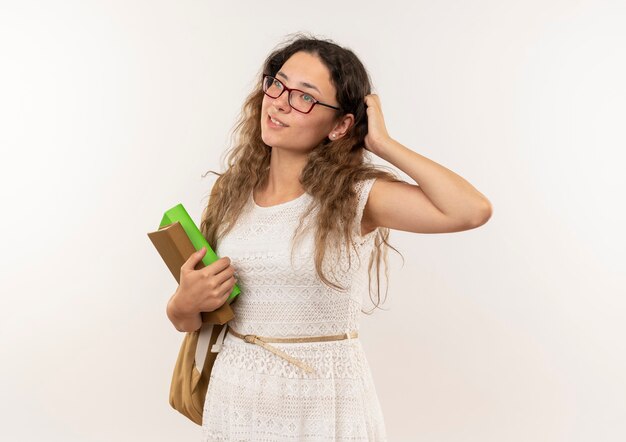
(255, 395)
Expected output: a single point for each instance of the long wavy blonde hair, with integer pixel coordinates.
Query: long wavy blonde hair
(331, 172)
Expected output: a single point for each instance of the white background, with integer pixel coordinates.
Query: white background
(112, 110)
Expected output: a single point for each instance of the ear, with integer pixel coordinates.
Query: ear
(342, 127)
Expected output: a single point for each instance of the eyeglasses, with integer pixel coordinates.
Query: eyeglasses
(298, 100)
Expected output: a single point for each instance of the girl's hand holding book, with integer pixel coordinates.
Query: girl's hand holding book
(206, 289)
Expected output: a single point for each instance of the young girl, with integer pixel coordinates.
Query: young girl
(299, 217)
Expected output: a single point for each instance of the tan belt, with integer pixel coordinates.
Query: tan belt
(263, 342)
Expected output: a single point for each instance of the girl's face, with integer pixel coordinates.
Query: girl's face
(301, 132)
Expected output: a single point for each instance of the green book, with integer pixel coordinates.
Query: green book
(178, 213)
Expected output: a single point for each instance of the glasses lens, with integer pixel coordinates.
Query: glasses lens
(272, 87)
(301, 101)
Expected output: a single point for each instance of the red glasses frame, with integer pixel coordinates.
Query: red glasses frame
(289, 90)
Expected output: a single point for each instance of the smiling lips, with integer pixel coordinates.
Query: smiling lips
(276, 123)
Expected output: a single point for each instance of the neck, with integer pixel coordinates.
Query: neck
(284, 174)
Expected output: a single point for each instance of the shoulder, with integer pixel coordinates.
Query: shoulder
(390, 204)
(364, 189)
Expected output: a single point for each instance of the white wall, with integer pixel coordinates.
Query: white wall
(112, 110)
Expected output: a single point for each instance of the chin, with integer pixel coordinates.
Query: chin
(267, 140)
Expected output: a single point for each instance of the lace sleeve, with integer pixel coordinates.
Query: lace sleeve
(362, 190)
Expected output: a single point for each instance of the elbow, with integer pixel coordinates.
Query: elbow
(179, 327)
(483, 215)
(183, 324)
(187, 326)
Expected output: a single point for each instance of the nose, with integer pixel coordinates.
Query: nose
(282, 102)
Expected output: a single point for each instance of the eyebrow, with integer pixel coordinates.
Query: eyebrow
(302, 83)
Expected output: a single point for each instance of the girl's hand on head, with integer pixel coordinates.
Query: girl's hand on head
(377, 135)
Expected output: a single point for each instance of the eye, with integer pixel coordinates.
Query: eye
(277, 83)
(308, 98)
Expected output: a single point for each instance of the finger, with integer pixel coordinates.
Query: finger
(372, 102)
(224, 275)
(193, 259)
(218, 266)
(227, 286)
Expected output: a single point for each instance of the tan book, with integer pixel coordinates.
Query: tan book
(175, 248)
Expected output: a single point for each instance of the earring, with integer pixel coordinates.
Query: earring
(333, 135)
